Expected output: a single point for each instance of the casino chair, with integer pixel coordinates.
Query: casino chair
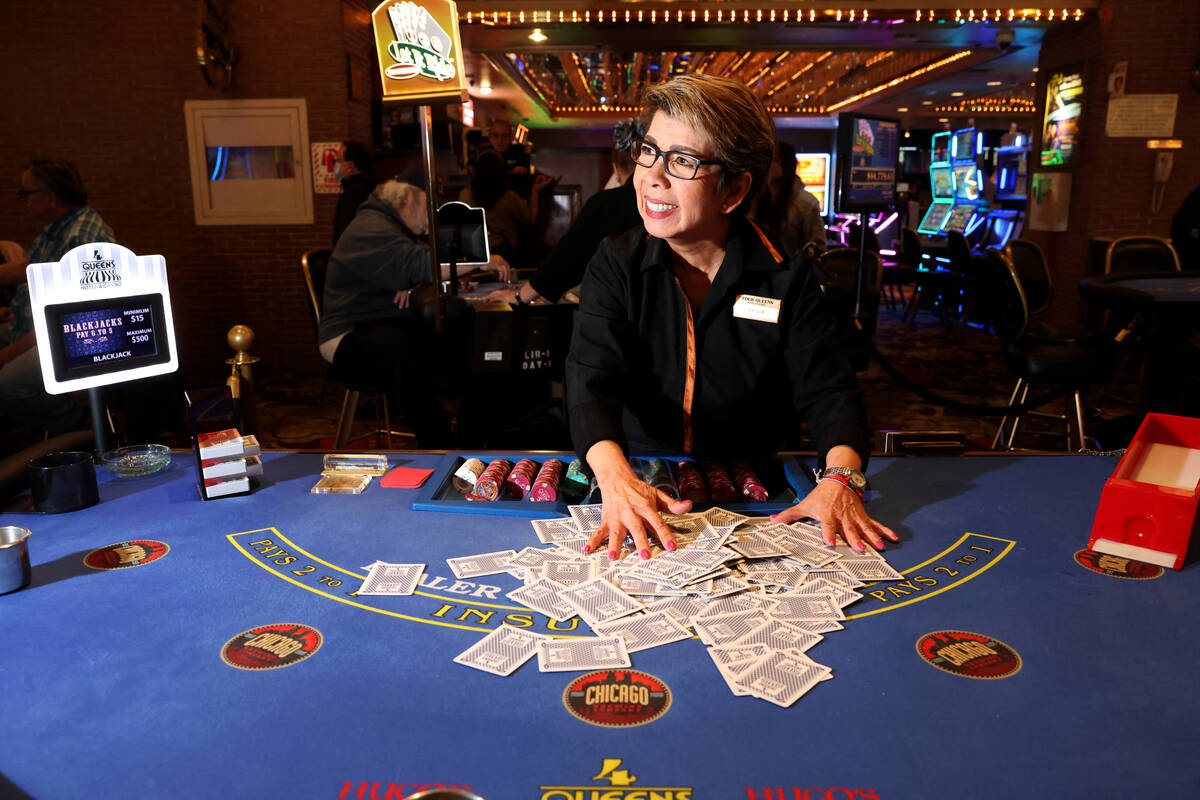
(1140, 254)
(1038, 365)
(1031, 267)
(837, 271)
(940, 287)
(314, 264)
(965, 264)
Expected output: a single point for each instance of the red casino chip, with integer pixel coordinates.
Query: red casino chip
(617, 698)
(691, 485)
(271, 646)
(491, 481)
(520, 479)
(545, 485)
(720, 487)
(123, 555)
(969, 655)
(748, 483)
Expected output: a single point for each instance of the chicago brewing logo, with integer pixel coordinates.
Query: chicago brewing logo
(421, 47)
(617, 698)
(1117, 567)
(621, 786)
(271, 646)
(123, 555)
(99, 273)
(970, 655)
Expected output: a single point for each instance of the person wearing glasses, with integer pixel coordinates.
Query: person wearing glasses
(695, 335)
(53, 194)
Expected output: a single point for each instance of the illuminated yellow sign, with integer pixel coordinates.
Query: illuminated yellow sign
(813, 170)
(420, 55)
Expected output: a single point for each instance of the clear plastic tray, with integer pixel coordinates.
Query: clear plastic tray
(137, 460)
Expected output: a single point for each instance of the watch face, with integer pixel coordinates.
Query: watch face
(858, 479)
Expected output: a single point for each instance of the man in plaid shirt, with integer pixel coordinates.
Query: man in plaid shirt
(53, 193)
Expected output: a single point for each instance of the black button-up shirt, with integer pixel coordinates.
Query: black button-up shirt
(644, 373)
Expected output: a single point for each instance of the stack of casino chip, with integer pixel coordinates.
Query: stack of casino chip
(467, 474)
(491, 481)
(720, 487)
(545, 485)
(520, 480)
(691, 485)
(749, 484)
(657, 473)
(575, 483)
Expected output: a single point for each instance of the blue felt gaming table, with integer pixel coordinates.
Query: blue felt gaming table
(114, 685)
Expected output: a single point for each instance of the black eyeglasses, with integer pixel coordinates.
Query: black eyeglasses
(23, 193)
(677, 164)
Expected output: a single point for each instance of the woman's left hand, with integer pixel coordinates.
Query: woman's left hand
(839, 510)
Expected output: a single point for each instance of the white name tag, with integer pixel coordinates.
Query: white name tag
(762, 309)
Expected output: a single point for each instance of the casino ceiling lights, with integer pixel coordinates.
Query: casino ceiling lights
(798, 59)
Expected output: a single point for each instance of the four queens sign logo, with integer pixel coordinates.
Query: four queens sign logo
(99, 273)
(421, 47)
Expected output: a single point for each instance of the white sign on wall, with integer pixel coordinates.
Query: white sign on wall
(1146, 116)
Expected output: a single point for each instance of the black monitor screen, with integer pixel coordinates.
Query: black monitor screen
(97, 337)
(868, 153)
(964, 144)
(941, 148)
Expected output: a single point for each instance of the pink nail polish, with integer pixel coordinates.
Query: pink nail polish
(587, 548)
(644, 554)
(670, 545)
(860, 547)
(612, 555)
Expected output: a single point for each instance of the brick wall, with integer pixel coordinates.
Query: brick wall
(1111, 186)
(104, 86)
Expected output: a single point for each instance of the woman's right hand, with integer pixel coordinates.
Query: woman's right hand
(630, 506)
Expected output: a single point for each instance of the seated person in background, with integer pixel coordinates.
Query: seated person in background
(353, 169)
(787, 210)
(666, 358)
(52, 193)
(366, 325)
(500, 141)
(605, 213)
(510, 219)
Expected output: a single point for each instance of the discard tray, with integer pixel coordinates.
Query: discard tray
(784, 479)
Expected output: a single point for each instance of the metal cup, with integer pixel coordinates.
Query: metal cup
(15, 572)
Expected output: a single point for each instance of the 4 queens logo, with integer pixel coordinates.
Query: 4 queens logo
(99, 273)
(421, 47)
(621, 786)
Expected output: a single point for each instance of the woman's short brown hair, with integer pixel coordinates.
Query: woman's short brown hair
(725, 111)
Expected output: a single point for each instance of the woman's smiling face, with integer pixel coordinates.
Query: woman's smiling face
(672, 208)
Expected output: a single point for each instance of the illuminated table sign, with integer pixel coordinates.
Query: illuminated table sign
(101, 315)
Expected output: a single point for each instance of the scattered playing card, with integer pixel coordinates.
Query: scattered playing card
(482, 564)
(599, 601)
(501, 651)
(643, 631)
(782, 678)
(566, 655)
(550, 531)
(392, 578)
(542, 596)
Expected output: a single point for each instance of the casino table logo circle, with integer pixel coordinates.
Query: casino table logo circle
(271, 646)
(123, 555)
(969, 655)
(1117, 567)
(617, 698)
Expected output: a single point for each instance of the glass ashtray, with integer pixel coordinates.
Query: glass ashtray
(137, 460)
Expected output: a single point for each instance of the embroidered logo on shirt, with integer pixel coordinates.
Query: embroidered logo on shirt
(762, 309)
